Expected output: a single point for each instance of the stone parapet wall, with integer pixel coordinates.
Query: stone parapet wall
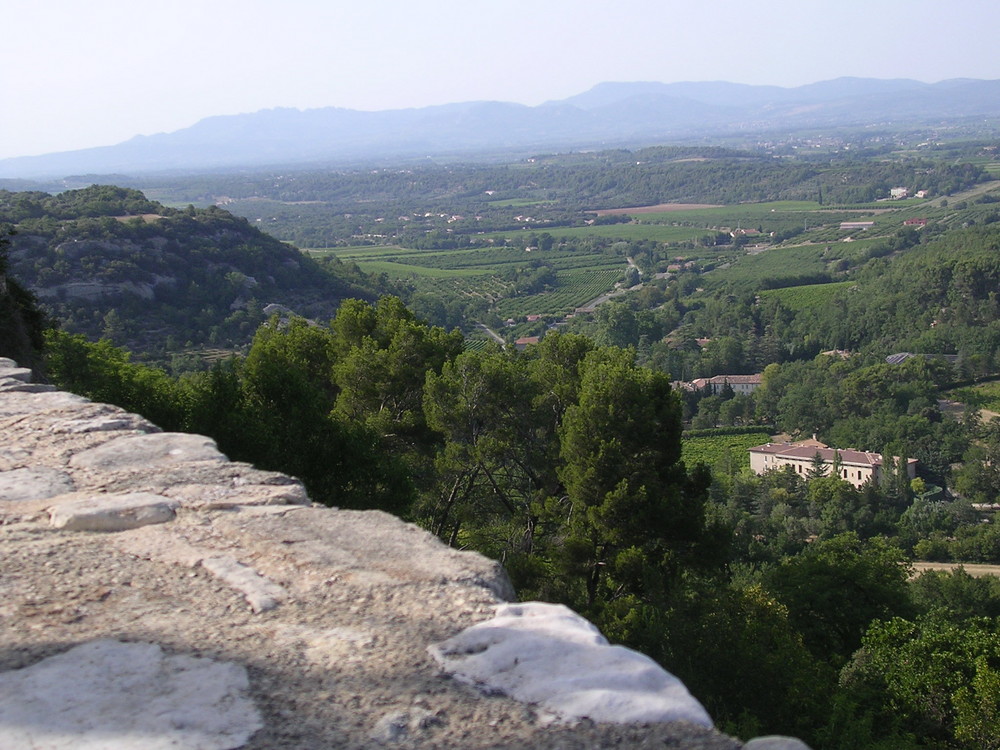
(156, 594)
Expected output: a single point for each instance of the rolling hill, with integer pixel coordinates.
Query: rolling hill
(104, 261)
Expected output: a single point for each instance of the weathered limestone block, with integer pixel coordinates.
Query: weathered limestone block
(21, 485)
(112, 512)
(108, 695)
(549, 655)
(220, 496)
(148, 451)
(161, 544)
(204, 485)
(297, 548)
(52, 437)
(196, 545)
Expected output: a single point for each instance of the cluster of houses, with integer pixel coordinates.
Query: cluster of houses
(899, 193)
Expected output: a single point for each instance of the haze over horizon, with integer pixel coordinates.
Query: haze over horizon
(79, 76)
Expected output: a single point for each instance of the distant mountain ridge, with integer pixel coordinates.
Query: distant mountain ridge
(608, 115)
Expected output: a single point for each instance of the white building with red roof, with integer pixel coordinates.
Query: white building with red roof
(745, 384)
(856, 467)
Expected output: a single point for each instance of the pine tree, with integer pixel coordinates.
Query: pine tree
(818, 468)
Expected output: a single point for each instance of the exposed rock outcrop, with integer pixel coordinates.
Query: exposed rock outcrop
(147, 563)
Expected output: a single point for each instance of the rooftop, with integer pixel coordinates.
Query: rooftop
(808, 452)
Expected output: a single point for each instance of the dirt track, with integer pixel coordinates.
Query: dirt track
(972, 569)
(658, 209)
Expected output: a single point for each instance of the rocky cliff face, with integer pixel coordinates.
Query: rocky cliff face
(156, 594)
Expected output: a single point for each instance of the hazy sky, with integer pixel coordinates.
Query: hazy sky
(76, 73)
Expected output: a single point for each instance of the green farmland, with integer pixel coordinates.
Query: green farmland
(402, 270)
(713, 449)
(747, 214)
(779, 264)
(574, 289)
(776, 264)
(774, 216)
(581, 271)
(488, 273)
(799, 298)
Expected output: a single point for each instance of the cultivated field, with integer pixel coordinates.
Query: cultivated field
(713, 449)
(488, 272)
(787, 263)
(574, 289)
(793, 243)
(804, 297)
(659, 208)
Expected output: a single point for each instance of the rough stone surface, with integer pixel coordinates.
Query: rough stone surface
(39, 483)
(17, 403)
(146, 450)
(330, 616)
(105, 423)
(221, 497)
(108, 695)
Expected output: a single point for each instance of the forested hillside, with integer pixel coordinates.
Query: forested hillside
(106, 262)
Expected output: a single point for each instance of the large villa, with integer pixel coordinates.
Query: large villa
(856, 467)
